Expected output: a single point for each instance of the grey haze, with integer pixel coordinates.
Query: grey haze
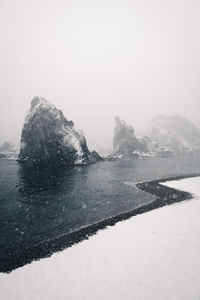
(97, 59)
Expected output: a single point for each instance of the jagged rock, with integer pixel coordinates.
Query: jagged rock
(174, 134)
(125, 142)
(47, 136)
(94, 157)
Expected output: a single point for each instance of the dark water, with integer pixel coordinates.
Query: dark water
(38, 205)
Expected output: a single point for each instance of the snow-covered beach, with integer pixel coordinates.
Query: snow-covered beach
(155, 255)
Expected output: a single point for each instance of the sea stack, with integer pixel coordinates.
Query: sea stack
(125, 142)
(47, 136)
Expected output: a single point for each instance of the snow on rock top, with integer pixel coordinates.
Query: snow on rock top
(39, 103)
(48, 136)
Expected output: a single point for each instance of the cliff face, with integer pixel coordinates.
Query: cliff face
(125, 141)
(175, 134)
(47, 136)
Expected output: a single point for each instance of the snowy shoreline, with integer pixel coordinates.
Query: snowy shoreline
(163, 196)
(150, 256)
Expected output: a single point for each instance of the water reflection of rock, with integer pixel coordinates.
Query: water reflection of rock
(50, 201)
(36, 179)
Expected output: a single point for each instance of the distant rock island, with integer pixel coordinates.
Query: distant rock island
(166, 136)
(125, 142)
(47, 136)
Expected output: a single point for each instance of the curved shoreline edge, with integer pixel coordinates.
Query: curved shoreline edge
(164, 196)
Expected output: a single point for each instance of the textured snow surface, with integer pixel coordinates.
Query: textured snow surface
(151, 256)
(191, 185)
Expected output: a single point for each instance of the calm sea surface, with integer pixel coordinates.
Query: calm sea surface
(40, 205)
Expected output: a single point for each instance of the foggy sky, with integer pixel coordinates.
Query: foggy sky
(97, 59)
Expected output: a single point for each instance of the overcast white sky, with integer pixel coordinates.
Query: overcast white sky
(97, 59)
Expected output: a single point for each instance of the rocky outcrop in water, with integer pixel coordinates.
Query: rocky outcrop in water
(47, 136)
(167, 136)
(125, 142)
(174, 135)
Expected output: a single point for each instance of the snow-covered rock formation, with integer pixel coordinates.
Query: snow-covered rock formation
(166, 136)
(174, 134)
(125, 142)
(47, 136)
